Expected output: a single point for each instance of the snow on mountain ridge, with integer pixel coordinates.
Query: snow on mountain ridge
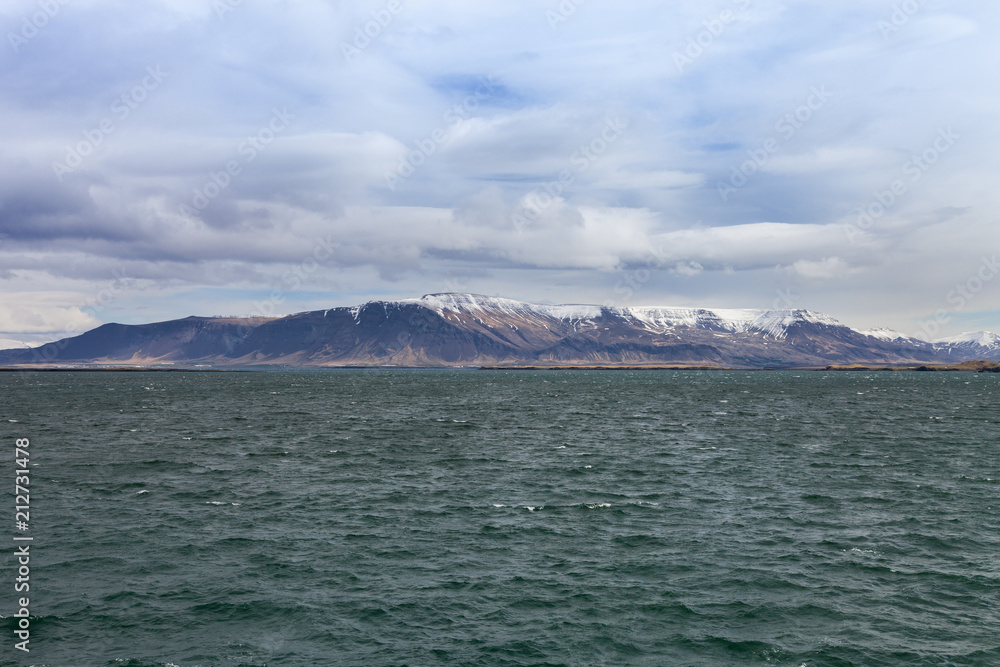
(773, 323)
(660, 319)
(986, 339)
(882, 333)
(477, 303)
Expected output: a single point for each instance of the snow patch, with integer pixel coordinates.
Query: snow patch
(882, 333)
(771, 323)
(495, 305)
(987, 339)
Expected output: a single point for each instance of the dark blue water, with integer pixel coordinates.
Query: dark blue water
(508, 518)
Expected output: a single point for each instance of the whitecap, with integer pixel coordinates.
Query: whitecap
(186, 438)
(139, 493)
(498, 505)
(561, 447)
(598, 505)
(214, 502)
(588, 466)
(12, 421)
(866, 552)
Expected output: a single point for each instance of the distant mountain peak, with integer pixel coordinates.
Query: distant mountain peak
(883, 333)
(770, 322)
(462, 329)
(985, 339)
(479, 303)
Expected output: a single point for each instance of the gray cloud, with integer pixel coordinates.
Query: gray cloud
(465, 147)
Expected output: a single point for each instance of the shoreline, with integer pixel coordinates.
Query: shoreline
(968, 366)
(116, 369)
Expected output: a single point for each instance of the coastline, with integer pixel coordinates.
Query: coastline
(967, 366)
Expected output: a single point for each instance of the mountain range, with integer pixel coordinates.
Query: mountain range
(447, 330)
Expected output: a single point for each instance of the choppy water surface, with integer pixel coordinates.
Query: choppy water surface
(510, 518)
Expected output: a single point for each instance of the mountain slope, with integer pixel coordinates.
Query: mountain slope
(468, 329)
(180, 340)
(985, 344)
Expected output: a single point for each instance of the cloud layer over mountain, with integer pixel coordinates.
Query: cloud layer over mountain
(180, 157)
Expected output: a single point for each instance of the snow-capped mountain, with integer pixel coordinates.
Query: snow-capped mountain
(983, 344)
(471, 329)
(660, 319)
(886, 334)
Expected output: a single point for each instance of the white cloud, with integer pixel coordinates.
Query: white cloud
(29, 313)
(832, 158)
(649, 180)
(651, 190)
(824, 269)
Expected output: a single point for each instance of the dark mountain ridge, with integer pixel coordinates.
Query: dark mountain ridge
(442, 330)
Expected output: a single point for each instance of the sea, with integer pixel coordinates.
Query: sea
(501, 517)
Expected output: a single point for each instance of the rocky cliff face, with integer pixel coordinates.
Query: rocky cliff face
(468, 330)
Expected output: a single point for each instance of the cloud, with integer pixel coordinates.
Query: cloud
(468, 145)
(826, 158)
(32, 313)
(649, 180)
(825, 269)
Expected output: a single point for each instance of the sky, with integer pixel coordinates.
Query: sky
(261, 157)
